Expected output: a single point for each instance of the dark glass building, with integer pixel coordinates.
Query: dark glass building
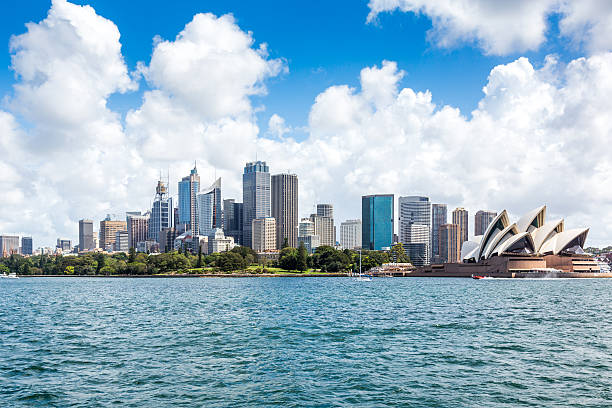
(377, 212)
(255, 197)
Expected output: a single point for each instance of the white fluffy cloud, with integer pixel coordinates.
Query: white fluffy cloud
(503, 27)
(537, 136)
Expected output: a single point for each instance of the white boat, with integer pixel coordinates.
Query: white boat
(9, 276)
(361, 277)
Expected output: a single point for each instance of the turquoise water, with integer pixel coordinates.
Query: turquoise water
(305, 342)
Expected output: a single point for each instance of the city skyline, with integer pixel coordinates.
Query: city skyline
(466, 115)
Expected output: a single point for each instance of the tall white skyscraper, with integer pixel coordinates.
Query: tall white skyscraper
(415, 228)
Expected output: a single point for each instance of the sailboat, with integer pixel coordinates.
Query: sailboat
(12, 275)
(361, 277)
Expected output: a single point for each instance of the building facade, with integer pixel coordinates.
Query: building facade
(218, 242)
(205, 206)
(350, 234)
(121, 242)
(86, 242)
(285, 208)
(263, 234)
(255, 197)
(162, 212)
(232, 220)
(482, 219)
(439, 217)
(325, 210)
(460, 217)
(27, 246)
(188, 188)
(64, 244)
(108, 231)
(137, 228)
(450, 247)
(377, 212)
(166, 239)
(324, 228)
(9, 245)
(415, 228)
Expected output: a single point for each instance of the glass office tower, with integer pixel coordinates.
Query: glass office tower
(377, 214)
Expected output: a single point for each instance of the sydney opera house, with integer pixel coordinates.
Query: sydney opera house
(531, 246)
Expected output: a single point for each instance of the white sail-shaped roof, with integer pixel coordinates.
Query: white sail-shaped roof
(546, 232)
(523, 238)
(532, 220)
(500, 238)
(498, 224)
(470, 248)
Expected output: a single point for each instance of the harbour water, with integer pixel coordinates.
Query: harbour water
(305, 342)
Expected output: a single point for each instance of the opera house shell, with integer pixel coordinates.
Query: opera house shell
(531, 246)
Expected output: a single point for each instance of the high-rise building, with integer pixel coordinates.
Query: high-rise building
(285, 208)
(450, 248)
(307, 236)
(161, 212)
(64, 244)
(232, 220)
(27, 246)
(137, 228)
(325, 210)
(166, 239)
(108, 231)
(460, 217)
(188, 188)
(377, 212)
(9, 244)
(324, 228)
(482, 219)
(205, 205)
(263, 234)
(86, 241)
(415, 228)
(218, 242)
(350, 234)
(121, 242)
(255, 197)
(439, 217)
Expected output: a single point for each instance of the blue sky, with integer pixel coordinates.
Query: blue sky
(323, 42)
(78, 148)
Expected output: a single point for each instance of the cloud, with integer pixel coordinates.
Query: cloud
(502, 27)
(277, 126)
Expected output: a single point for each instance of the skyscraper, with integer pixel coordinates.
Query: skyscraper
(9, 244)
(324, 228)
(161, 212)
(460, 217)
(255, 196)
(86, 242)
(108, 230)
(137, 228)
(377, 212)
(450, 248)
(264, 234)
(350, 234)
(285, 208)
(205, 205)
(232, 221)
(482, 219)
(63, 244)
(306, 235)
(439, 217)
(217, 213)
(188, 188)
(415, 228)
(325, 210)
(26, 245)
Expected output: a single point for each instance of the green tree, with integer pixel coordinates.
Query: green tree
(69, 270)
(398, 254)
(132, 255)
(302, 258)
(231, 261)
(287, 258)
(199, 263)
(285, 243)
(4, 270)
(101, 258)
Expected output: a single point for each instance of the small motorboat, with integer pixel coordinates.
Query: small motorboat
(477, 277)
(9, 276)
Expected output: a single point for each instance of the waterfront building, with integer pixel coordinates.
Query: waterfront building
(324, 228)
(255, 197)
(86, 242)
(205, 206)
(108, 232)
(449, 239)
(233, 213)
(306, 227)
(121, 241)
(415, 228)
(63, 244)
(482, 219)
(9, 245)
(188, 188)
(311, 242)
(27, 246)
(460, 217)
(162, 212)
(263, 232)
(350, 234)
(137, 228)
(285, 208)
(377, 212)
(166, 239)
(218, 242)
(439, 217)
